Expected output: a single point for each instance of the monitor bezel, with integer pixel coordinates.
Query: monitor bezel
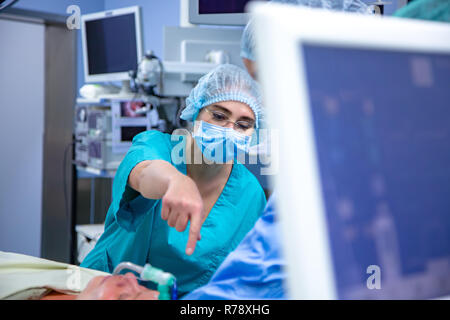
(230, 19)
(280, 31)
(116, 76)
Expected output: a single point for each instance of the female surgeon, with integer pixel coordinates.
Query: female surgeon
(161, 205)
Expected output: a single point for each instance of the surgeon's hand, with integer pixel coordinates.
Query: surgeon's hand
(181, 200)
(181, 203)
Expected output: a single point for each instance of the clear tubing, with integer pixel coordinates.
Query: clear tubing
(129, 266)
(167, 286)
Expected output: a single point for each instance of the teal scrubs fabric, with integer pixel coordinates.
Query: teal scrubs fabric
(135, 232)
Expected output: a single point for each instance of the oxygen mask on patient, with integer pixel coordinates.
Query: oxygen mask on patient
(166, 281)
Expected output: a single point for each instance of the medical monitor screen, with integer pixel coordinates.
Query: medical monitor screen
(111, 44)
(382, 134)
(221, 6)
(129, 132)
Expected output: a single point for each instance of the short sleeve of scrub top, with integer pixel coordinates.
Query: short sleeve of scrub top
(135, 232)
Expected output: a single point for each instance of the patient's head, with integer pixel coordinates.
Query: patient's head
(117, 287)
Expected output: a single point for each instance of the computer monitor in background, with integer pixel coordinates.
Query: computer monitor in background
(218, 12)
(112, 44)
(363, 188)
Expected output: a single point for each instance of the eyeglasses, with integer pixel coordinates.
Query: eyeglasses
(222, 120)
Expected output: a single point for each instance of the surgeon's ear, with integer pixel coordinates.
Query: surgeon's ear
(251, 132)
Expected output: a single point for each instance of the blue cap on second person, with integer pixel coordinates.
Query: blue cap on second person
(248, 41)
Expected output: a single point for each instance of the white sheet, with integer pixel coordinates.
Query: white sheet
(27, 277)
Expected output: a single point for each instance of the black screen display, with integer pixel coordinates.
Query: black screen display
(128, 133)
(111, 44)
(221, 6)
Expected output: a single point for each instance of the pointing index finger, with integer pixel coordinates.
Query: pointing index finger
(194, 233)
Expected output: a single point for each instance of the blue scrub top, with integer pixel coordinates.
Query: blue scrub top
(135, 232)
(255, 270)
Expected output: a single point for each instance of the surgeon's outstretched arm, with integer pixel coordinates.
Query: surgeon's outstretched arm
(181, 200)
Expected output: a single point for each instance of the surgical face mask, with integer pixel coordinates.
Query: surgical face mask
(219, 144)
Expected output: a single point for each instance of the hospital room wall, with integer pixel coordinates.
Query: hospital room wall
(60, 7)
(156, 14)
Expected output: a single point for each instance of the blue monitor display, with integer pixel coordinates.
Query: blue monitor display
(382, 128)
(111, 44)
(221, 6)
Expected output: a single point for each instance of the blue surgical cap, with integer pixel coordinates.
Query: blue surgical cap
(248, 41)
(226, 82)
(338, 5)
